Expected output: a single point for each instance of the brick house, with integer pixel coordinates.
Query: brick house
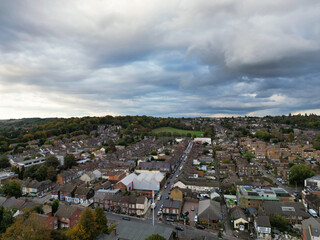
(68, 216)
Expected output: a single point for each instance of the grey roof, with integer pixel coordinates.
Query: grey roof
(263, 221)
(209, 208)
(284, 208)
(237, 213)
(82, 190)
(167, 203)
(2, 200)
(311, 227)
(67, 188)
(137, 231)
(65, 211)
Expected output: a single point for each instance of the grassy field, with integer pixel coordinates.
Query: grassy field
(176, 130)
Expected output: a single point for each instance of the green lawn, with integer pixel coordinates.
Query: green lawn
(176, 130)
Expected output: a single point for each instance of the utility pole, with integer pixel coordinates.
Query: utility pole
(153, 207)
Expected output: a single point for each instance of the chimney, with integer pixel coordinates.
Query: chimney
(114, 232)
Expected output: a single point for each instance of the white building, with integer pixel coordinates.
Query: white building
(203, 140)
(146, 181)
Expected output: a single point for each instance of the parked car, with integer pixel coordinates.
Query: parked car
(179, 228)
(186, 213)
(159, 213)
(169, 219)
(126, 218)
(200, 226)
(192, 208)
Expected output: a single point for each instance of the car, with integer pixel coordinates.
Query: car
(169, 219)
(200, 226)
(126, 218)
(186, 213)
(192, 208)
(177, 175)
(179, 228)
(168, 182)
(165, 186)
(196, 218)
(167, 197)
(159, 213)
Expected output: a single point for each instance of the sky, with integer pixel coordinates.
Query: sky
(159, 58)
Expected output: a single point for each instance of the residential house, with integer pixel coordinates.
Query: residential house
(239, 219)
(50, 222)
(209, 212)
(68, 216)
(176, 194)
(310, 229)
(155, 166)
(67, 192)
(263, 227)
(83, 194)
(172, 208)
(34, 187)
(88, 177)
(142, 205)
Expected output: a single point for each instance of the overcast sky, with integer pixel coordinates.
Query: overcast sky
(159, 58)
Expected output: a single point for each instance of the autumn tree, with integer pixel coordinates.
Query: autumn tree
(27, 228)
(155, 237)
(101, 220)
(86, 229)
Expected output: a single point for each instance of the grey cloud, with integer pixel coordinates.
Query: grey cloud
(163, 58)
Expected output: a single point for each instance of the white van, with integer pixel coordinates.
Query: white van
(159, 197)
(312, 212)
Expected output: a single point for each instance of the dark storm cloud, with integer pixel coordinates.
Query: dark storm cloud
(167, 58)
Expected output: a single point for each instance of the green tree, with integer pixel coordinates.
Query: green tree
(155, 236)
(101, 220)
(11, 188)
(299, 172)
(6, 218)
(248, 155)
(153, 152)
(55, 206)
(69, 161)
(4, 162)
(52, 161)
(52, 174)
(279, 222)
(41, 173)
(38, 209)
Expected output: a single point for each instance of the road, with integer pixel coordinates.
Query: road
(166, 191)
(116, 218)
